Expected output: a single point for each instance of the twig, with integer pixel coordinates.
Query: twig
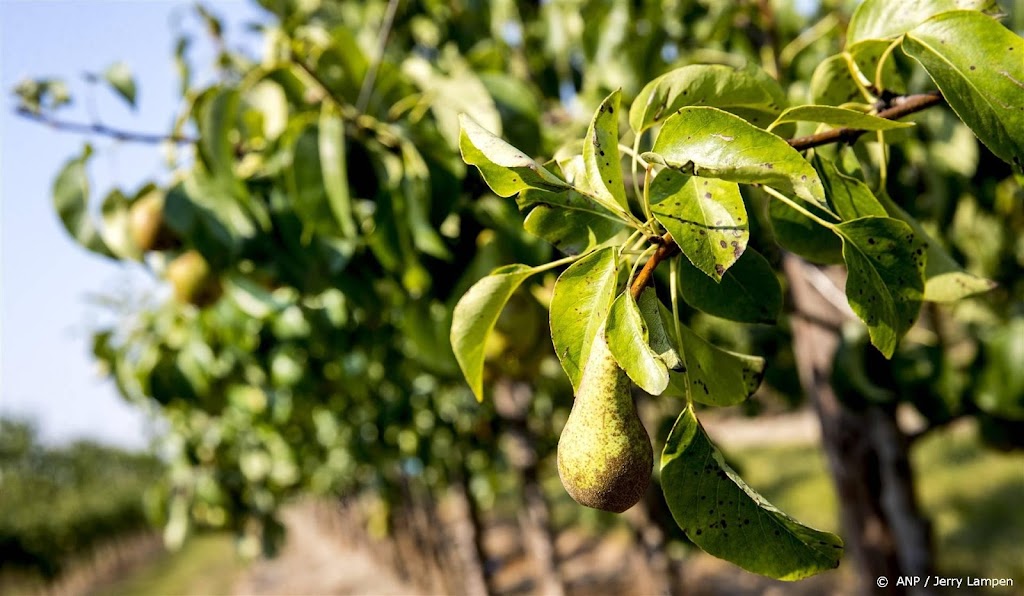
(668, 248)
(107, 131)
(902, 106)
(382, 42)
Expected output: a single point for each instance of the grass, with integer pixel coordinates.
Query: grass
(972, 494)
(205, 565)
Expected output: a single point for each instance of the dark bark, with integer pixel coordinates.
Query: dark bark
(468, 531)
(867, 453)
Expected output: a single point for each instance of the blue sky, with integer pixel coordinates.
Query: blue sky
(46, 318)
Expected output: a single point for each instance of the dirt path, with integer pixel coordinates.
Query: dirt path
(314, 562)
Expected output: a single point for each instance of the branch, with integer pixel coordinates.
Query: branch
(104, 130)
(900, 107)
(667, 249)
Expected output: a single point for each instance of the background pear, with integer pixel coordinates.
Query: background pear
(604, 453)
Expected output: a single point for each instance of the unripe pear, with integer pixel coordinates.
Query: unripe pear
(146, 224)
(192, 279)
(604, 453)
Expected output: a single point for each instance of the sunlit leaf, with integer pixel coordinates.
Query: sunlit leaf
(715, 85)
(711, 143)
(885, 286)
(580, 302)
(728, 519)
(705, 216)
(977, 64)
(474, 318)
(626, 334)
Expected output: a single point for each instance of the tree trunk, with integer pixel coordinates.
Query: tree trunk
(650, 537)
(468, 533)
(884, 531)
(512, 401)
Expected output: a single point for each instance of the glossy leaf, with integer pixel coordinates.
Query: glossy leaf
(626, 334)
(580, 303)
(331, 144)
(705, 216)
(71, 200)
(849, 198)
(799, 234)
(886, 19)
(506, 169)
(838, 117)
(945, 279)
(709, 374)
(571, 222)
(658, 336)
(867, 53)
(832, 84)
(710, 85)
(977, 64)
(748, 292)
(728, 519)
(121, 81)
(885, 285)
(474, 318)
(601, 155)
(711, 143)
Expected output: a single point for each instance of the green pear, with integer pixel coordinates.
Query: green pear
(604, 453)
(146, 224)
(192, 279)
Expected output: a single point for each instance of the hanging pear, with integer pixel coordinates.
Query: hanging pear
(604, 453)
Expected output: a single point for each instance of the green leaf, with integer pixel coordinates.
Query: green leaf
(885, 285)
(71, 200)
(715, 144)
(709, 374)
(506, 169)
(728, 519)
(1001, 384)
(580, 302)
(331, 145)
(568, 220)
(120, 78)
(416, 188)
(216, 119)
(945, 279)
(977, 64)
(709, 85)
(832, 84)
(705, 216)
(626, 334)
(886, 19)
(749, 291)
(837, 117)
(474, 318)
(116, 229)
(658, 336)
(799, 234)
(849, 198)
(866, 55)
(460, 91)
(601, 155)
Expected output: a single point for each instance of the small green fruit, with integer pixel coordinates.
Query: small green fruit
(604, 453)
(146, 224)
(192, 279)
